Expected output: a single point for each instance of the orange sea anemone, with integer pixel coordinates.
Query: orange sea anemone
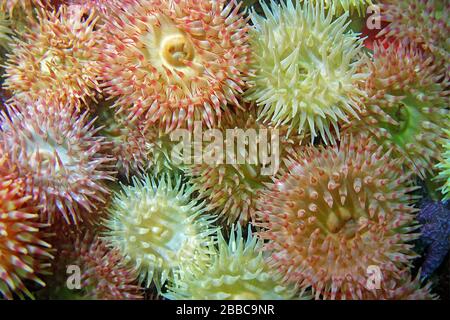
(231, 188)
(337, 211)
(23, 253)
(56, 57)
(174, 62)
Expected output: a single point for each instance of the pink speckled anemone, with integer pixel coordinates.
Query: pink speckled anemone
(56, 57)
(175, 61)
(337, 211)
(56, 152)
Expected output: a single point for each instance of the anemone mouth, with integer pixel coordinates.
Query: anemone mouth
(47, 154)
(47, 62)
(176, 50)
(402, 118)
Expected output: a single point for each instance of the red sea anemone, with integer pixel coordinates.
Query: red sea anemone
(56, 152)
(23, 253)
(56, 57)
(175, 61)
(337, 211)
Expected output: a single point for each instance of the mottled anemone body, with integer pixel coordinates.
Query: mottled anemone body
(231, 189)
(23, 252)
(56, 153)
(305, 68)
(406, 108)
(237, 271)
(158, 228)
(424, 23)
(57, 57)
(337, 211)
(175, 62)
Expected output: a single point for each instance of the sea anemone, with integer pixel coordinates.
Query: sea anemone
(175, 62)
(237, 271)
(231, 188)
(406, 109)
(23, 253)
(56, 58)
(105, 275)
(56, 152)
(158, 228)
(444, 167)
(422, 22)
(337, 211)
(305, 67)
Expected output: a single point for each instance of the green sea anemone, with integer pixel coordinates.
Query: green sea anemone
(407, 107)
(444, 167)
(158, 228)
(24, 255)
(423, 22)
(237, 271)
(305, 67)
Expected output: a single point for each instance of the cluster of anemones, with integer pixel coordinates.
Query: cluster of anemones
(327, 143)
